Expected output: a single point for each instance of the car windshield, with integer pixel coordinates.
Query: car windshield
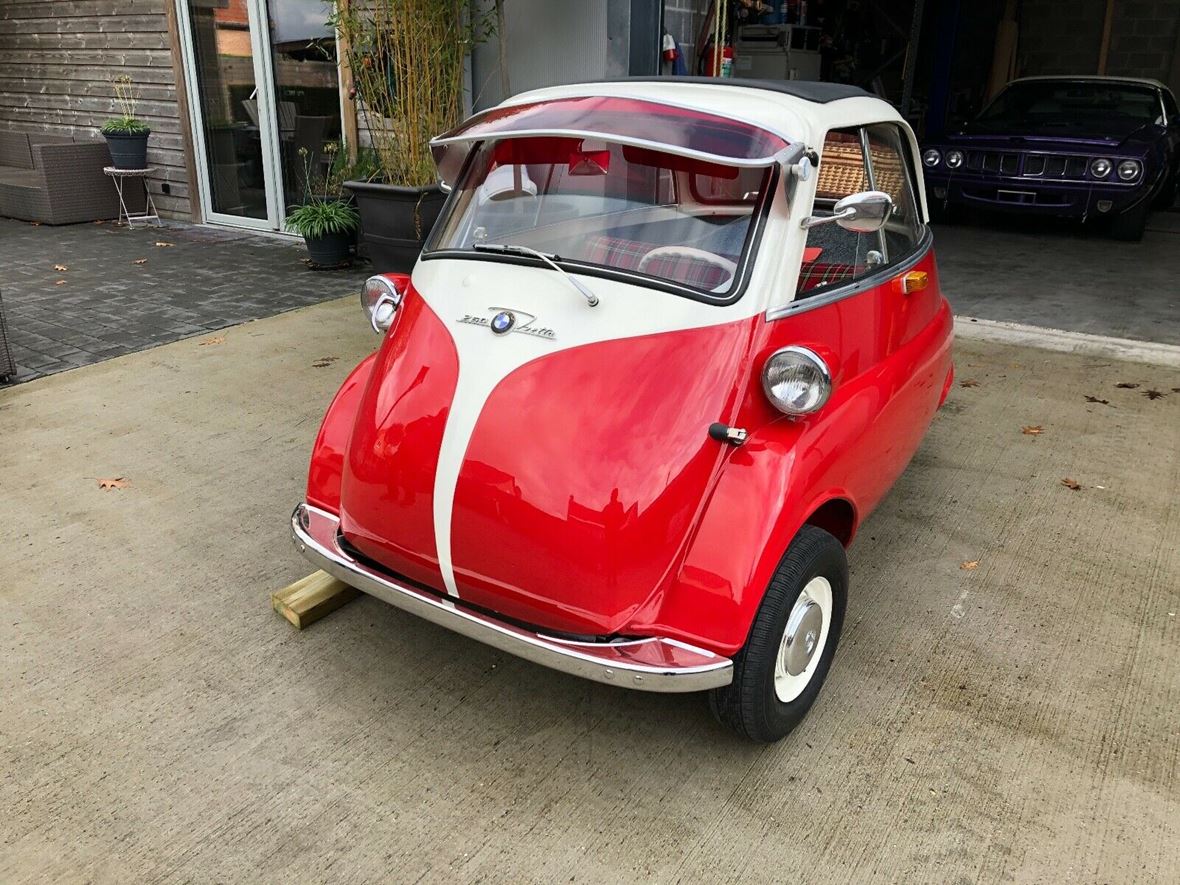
(1070, 104)
(608, 208)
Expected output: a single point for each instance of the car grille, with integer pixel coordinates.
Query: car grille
(993, 161)
(1051, 166)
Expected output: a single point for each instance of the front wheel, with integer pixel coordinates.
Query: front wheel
(780, 670)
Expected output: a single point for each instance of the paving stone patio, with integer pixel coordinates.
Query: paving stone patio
(122, 292)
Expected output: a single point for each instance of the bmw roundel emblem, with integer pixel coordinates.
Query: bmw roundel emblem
(503, 322)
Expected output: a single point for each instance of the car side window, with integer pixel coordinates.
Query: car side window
(888, 152)
(852, 161)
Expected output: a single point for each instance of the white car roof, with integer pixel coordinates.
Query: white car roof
(800, 111)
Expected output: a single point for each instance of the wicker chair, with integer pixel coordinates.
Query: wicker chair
(53, 180)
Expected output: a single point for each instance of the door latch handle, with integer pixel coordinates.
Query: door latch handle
(734, 436)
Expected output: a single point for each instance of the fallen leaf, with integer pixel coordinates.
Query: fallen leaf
(216, 339)
(1094, 399)
(970, 565)
(60, 268)
(969, 382)
(1154, 394)
(1072, 484)
(1032, 430)
(164, 245)
(139, 261)
(117, 482)
(60, 283)
(1127, 385)
(324, 361)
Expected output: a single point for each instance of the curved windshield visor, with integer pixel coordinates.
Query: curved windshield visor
(674, 130)
(600, 207)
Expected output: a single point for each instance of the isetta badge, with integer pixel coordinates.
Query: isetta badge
(753, 344)
(502, 321)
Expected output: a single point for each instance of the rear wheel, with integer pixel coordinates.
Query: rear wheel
(780, 670)
(1129, 225)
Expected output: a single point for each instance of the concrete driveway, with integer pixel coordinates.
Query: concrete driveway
(1057, 275)
(1014, 720)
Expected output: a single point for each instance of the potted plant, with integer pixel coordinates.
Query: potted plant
(126, 135)
(326, 219)
(406, 96)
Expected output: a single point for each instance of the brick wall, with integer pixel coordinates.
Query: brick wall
(1065, 36)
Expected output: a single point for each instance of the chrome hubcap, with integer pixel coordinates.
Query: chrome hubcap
(802, 635)
(803, 639)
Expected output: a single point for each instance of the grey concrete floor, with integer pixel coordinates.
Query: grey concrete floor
(158, 722)
(1060, 275)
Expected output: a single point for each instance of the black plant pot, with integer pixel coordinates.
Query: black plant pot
(330, 250)
(395, 221)
(128, 151)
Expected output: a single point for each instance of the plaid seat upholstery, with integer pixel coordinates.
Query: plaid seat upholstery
(687, 269)
(812, 276)
(615, 252)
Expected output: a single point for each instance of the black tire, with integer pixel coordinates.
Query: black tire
(750, 705)
(1129, 226)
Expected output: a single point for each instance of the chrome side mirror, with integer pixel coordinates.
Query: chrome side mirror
(863, 213)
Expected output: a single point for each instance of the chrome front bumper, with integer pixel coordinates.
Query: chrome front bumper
(653, 664)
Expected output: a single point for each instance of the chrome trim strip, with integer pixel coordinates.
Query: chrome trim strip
(869, 281)
(315, 533)
(611, 138)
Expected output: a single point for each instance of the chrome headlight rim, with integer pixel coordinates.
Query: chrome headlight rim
(1134, 167)
(808, 356)
(380, 299)
(954, 159)
(1100, 167)
(931, 157)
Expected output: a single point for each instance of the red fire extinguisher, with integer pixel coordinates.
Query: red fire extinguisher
(726, 69)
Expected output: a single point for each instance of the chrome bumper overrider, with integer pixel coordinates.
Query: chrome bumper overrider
(653, 664)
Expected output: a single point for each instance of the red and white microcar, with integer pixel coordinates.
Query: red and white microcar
(668, 345)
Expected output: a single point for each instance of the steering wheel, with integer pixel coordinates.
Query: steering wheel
(725, 264)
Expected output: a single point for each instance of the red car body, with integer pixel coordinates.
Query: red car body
(585, 500)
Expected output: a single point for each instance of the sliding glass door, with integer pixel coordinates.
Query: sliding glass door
(265, 102)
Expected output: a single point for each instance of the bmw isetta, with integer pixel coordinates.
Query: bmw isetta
(668, 345)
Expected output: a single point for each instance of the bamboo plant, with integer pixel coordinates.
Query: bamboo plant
(406, 58)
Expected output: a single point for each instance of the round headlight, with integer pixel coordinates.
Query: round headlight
(931, 157)
(1130, 169)
(1100, 168)
(954, 159)
(796, 381)
(379, 299)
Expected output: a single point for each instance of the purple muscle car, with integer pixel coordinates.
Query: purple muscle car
(1073, 147)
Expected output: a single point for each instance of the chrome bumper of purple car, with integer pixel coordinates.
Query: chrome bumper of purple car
(650, 664)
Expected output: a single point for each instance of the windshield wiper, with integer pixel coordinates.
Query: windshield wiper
(549, 259)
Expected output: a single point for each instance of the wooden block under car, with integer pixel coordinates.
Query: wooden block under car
(309, 599)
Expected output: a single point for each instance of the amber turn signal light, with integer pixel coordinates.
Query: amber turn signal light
(914, 281)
